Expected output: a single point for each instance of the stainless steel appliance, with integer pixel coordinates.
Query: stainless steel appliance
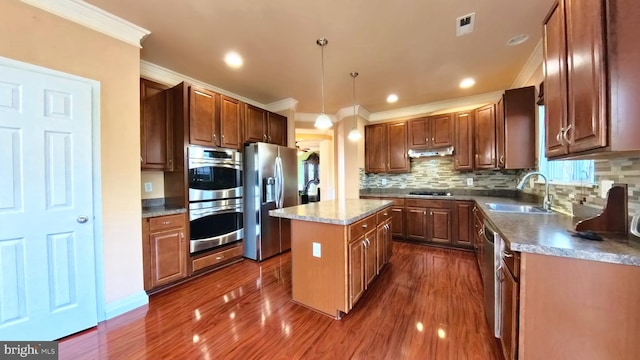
(492, 287)
(271, 179)
(215, 223)
(214, 173)
(216, 214)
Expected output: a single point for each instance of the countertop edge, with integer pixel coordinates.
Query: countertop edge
(319, 219)
(149, 213)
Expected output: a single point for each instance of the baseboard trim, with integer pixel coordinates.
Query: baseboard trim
(126, 304)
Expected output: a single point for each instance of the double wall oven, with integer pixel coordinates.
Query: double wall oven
(215, 197)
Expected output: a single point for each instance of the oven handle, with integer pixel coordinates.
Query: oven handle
(197, 214)
(227, 164)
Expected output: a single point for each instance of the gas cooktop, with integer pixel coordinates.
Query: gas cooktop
(430, 193)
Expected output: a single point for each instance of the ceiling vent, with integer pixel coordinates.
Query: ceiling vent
(464, 24)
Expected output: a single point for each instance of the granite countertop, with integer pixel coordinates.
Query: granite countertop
(337, 212)
(161, 210)
(546, 234)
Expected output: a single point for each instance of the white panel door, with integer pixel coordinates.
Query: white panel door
(47, 259)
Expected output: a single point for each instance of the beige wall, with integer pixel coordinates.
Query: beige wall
(156, 178)
(34, 36)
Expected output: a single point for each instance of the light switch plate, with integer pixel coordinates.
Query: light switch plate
(148, 187)
(384, 181)
(317, 250)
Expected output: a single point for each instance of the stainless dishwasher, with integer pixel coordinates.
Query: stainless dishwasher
(490, 264)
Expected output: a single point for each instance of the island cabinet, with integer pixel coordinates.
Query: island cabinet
(429, 221)
(386, 148)
(334, 262)
(431, 132)
(591, 78)
(156, 129)
(165, 252)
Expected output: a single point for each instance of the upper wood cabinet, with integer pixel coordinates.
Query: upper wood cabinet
(431, 132)
(276, 129)
(230, 122)
(463, 144)
(204, 128)
(156, 130)
(591, 78)
(386, 148)
(515, 129)
(263, 126)
(485, 137)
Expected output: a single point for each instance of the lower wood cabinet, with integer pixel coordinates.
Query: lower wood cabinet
(510, 300)
(165, 250)
(217, 258)
(463, 224)
(478, 235)
(430, 221)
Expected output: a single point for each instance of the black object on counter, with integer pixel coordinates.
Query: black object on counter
(586, 234)
(430, 193)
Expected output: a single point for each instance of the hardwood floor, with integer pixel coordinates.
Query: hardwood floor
(426, 304)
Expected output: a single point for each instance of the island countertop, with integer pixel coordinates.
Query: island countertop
(338, 212)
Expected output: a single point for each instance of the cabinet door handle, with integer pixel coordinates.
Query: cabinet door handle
(433, 139)
(565, 136)
(264, 137)
(269, 138)
(215, 138)
(182, 235)
(502, 159)
(431, 213)
(364, 226)
(222, 136)
(506, 254)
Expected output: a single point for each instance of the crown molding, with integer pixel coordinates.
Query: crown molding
(448, 105)
(348, 112)
(535, 60)
(93, 17)
(283, 105)
(169, 77)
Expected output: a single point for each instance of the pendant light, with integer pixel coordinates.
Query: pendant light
(354, 134)
(323, 121)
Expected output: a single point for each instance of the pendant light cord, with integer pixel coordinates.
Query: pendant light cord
(322, 82)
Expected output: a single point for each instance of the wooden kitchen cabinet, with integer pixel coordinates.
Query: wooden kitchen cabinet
(485, 138)
(591, 78)
(478, 235)
(165, 250)
(356, 269)
(156, 127)
(263, 126)
(386, 148)
(463, 224)
(510, 300)
(515, 129)
(204, 127)
(463, 140)
(230, 122)
(429, 221)
(383, 238)
(431, 132)
(370, 260)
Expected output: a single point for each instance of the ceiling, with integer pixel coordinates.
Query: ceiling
(407, 47)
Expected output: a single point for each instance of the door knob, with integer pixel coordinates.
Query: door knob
(82, 219)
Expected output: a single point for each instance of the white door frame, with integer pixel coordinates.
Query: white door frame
(96, 170)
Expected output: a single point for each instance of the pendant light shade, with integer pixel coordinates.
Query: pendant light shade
(354, 134)
(323, 121)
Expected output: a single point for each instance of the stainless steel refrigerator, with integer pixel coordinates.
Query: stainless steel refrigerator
(271, 181)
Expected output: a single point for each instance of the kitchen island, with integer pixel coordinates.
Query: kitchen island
(338, 247)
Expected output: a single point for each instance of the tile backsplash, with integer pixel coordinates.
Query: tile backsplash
(438, 173)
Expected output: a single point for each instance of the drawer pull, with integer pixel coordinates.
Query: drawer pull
(385, 214)
(219, 257)
(364, 226)
(166, 222)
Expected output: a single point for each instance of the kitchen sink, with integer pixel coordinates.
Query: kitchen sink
(515, 208)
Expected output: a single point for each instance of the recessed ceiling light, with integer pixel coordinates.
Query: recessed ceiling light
(467, 83)
(233, 59)
(392, 98)
(517, 40)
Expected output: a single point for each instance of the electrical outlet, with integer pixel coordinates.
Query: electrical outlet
(384, 181)
(316, 250)
(469, 181)
(148, 187)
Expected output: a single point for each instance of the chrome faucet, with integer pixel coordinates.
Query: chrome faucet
(546, 204)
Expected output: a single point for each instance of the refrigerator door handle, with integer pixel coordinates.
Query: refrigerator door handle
(278, 184)
(281, 176)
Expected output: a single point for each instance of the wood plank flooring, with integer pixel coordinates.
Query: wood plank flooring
(426, 304)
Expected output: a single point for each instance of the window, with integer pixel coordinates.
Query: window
(570, 172)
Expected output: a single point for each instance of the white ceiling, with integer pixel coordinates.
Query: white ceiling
(408, 47)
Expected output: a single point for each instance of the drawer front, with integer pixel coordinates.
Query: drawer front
(433, 204)
(359, 228)
(396, 201)
(217, 258)
(166, 222)
(383, 215)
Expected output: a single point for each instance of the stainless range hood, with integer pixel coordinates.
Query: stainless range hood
(431, 152)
